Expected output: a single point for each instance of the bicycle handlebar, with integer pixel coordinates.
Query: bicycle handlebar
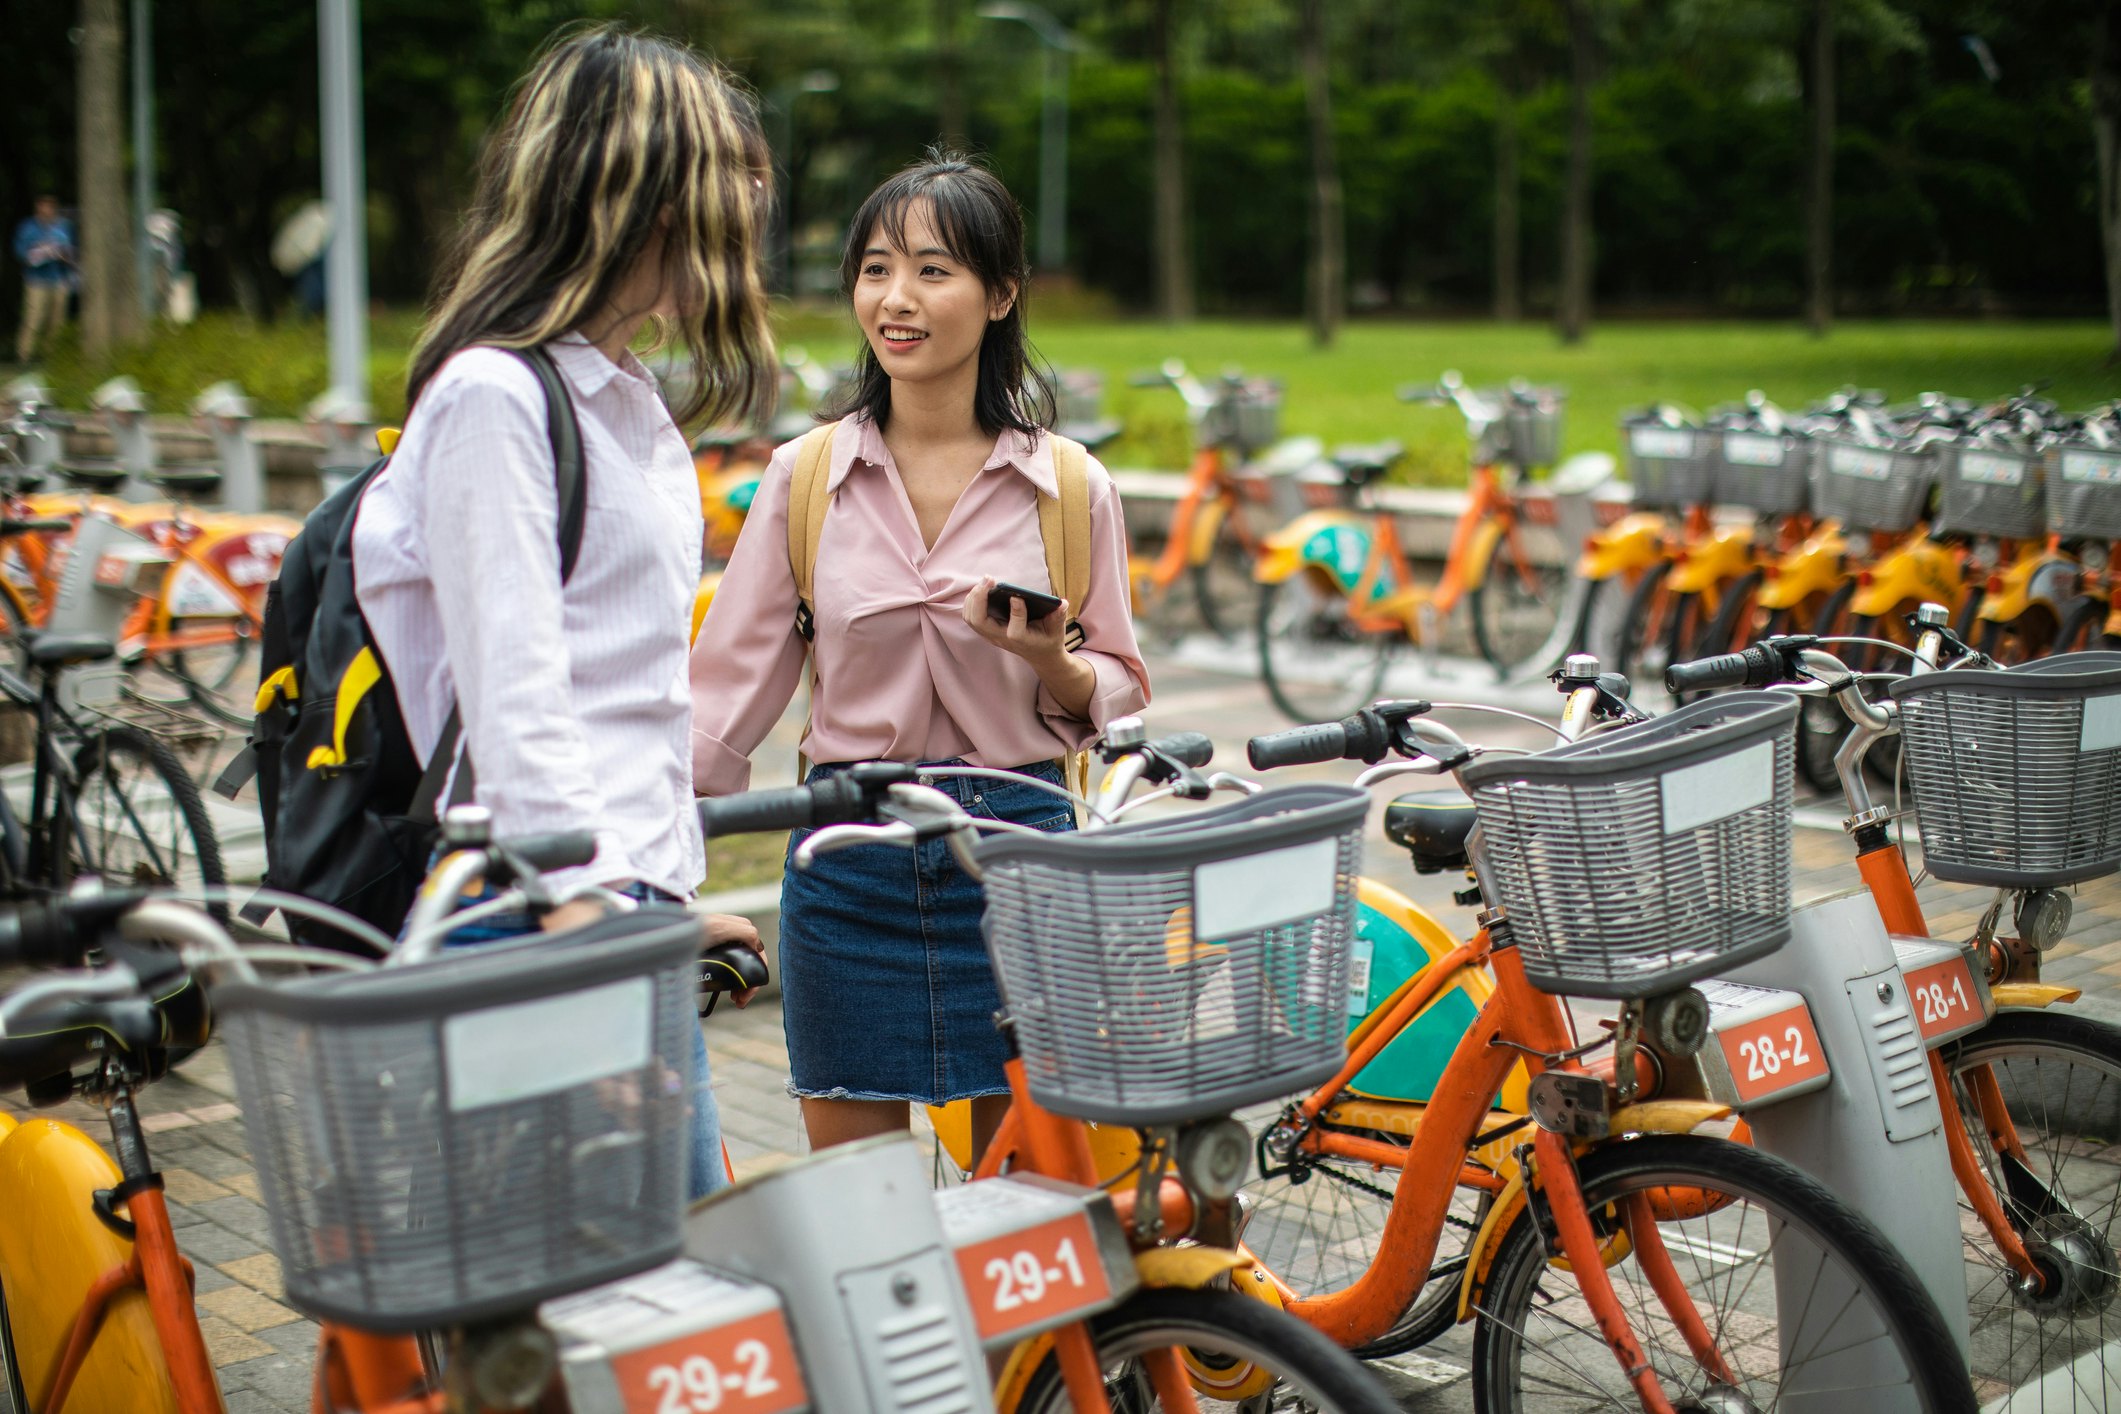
(59, 932)
(1188, 748)
(1757, 666)
(1366, 737)
(850, 797)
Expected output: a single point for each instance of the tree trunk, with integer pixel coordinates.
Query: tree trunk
(1174, 268)
(1819, 187)
(110, 309)
(1573, 312)
(1509, 286)
(950, 75)
(2106, 133)
(1328, 244)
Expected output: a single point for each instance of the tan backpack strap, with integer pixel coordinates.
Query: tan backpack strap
(1064, 526)
(807, 498)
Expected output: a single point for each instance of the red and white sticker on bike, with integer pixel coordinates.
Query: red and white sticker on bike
(1946, 995)
(745, 1367)
(1766, 1039)
(1033, 1278)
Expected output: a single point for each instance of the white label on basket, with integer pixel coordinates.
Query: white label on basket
(2101, 730)
(1359, 952)
(1860, 461)
(1751, 449)
(2101, 468)
(513, 1052)
(1233, 896)
(1660, 442)
(1991, 468)
(1714, 790)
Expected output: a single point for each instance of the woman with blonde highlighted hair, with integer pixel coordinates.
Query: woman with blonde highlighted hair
(624, 187)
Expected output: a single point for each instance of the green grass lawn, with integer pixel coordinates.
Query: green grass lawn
(1346, 394)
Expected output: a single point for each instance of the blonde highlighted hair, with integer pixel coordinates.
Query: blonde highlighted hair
(610, 130)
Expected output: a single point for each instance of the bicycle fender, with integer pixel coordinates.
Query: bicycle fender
(2035, 577)
(703, 598)
(2030, 996)
(1024, 1359)
(1188, 1268)
(1919, 570)
(1718, 561)
(1629, 545)
(1338, 542)
(1207, 524)
(1815, 567)
(52, 1248)
(1479, 548)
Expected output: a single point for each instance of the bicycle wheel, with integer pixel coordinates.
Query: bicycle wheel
(1318, 666)
(1732, 628)
(138, 818)
(2083, 625)
(1515, 607)
(212, 679)
(12, 1399)
(1860, 1319)
(1643, 622)
(1317, 1224)
(1225, 1337)
(2060, 1078)
(1599, 617)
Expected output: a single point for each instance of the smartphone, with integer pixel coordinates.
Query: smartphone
(1036, 605)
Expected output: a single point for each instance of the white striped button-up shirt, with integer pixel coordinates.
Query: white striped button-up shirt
(577, 709)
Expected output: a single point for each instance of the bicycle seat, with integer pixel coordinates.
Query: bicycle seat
(187, 480)
(1364, 464)
(59, 650)
(1432, 826)
(94, 476)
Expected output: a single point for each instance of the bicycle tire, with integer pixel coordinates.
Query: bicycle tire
(1597, 630)
(12, 1398)
(1635, 623)
(1510, 626)
(1297, 605)
(2073, 1152)
(1821, 725)
(1731, 627)
(1213, 1323)
(2083, 625)
(1205, 597)
(158, 862)
(1903, 1314)
(1320, 1233)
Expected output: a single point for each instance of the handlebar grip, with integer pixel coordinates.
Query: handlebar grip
(1723, 670)
(562, 849)
(59, 932)
(731, 967)
(1298, 746)
(758, 811)
(1192, 748)
(51, 526)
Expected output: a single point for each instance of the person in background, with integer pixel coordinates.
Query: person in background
(936, 470)
(44, 243)
(624, 187)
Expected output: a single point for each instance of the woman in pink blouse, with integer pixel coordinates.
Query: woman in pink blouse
(933, 479)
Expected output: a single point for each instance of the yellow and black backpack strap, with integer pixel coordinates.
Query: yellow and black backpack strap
(809, 492)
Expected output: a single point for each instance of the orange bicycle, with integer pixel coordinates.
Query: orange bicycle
(1337, 595)
(1624, 1257)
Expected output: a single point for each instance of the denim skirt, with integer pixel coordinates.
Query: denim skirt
(886, 991)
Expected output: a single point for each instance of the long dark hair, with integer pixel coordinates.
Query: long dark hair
(982, 227)
(608, 131)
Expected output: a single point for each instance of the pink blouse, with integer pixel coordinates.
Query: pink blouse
(900, 675)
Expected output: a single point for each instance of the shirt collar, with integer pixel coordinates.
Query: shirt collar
(1029, 454)
(588, 370)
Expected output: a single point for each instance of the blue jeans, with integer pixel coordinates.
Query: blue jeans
(705, 1172)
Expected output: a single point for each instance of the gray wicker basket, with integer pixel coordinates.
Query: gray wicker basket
(1766, 472)
(1635, 862)
(1534, 433)
(1990, 488)
(1247, 416)
(2084, 491)
(1184, 967)
(1871, 488)
(463, 1139)
(1668, 467)
(2017, 771)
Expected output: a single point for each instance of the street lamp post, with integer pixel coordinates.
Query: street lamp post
(345, 191)
(781, 100)
(1053, 134)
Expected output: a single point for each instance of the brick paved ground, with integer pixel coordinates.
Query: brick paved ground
(263, 1348)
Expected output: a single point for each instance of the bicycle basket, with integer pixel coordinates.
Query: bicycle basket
(1632, 863)
(2084, 491)
(1990, 488)
(463, 1139)
(1668, 467)
(1246, 415)
(1870, 488)
(2017, 771)
(1184, 967)
(1766, 472)
(1534, 432)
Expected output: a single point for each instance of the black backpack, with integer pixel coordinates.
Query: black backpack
(350, 816)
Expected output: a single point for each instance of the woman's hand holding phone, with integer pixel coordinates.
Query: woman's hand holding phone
(1041, 642)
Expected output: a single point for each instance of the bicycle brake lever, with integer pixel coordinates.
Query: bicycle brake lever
(833, 837)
